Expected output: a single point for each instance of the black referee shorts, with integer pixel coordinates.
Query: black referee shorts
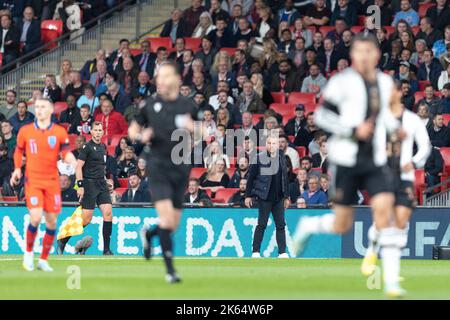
(168, 183)
(95, 192)
(347, 181)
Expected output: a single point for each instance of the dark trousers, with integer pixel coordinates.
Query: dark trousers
(264, 210)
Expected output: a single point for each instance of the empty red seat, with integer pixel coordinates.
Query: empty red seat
(390, 30)
(419, 184)
(278, 97)
(192, 43)
(111, 150)
(301, 151)
(197, 172)
(120, 191)
(445, 152)
(301, 97)
(284, 109)
(165, 42)
(446, 118)
(72, 138)
(123, 182)
(9, 198)
(423, 8)
(325, 29)
(51, 30)
(357, 29)
(60, 107)
(361, 20)
(423, 84)
(224, 195)
(135, 52)
(256, 118)
(1, 59)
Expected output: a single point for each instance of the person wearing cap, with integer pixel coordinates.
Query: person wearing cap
(404, 73)
(294, 124)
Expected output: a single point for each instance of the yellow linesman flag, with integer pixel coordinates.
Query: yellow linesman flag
(72, 226)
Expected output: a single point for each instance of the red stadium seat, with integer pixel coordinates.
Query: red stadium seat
(284, 109)
(165, 42)
(312, 28)
(1, 59)
(310, 107)
(209, 193)
(88, 137)
(65, 125)
(446, 118)
(291, 139)
(419, 95)
(105, 140)
(72, 138)
(356, 29)
(390, 30)
(419, 184)
(325, 29)
(256, 117)
(51, 30)
(278, 97)
(9, 198)
(115, 139)
(423, 84)
(233, 162)
(301, 97)
(135, 52)
(197, 172)
(301, 151)
(423, 9)
(224, 195)
(361, 20)
(192, 43)
(111, 150)
(60, 107)
(230, 51)
(123, 182)
(415, 30)
(445, 152)
(120, 191)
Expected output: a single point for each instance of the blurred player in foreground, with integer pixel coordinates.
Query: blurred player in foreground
(402, 162)
(41, 142)
(355, 110)
(158, 119)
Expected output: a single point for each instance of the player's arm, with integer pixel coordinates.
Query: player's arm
(423, 145)
(18, 158)
(136, 132)
(79, 177)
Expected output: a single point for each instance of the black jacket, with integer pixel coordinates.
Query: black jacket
(440, 138)
(6, 168)
(201, 195)
(258, 183)
(238, 199)
(69, 195)
(435, 163)
(13, 35)
(442, 19)
(182, 30)
(141, 195)
(150, 67)
(33, 38)
(289, 128)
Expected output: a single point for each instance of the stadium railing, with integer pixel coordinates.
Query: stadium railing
(440, 199)
(22, 77)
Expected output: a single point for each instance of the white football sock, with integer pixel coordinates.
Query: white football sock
(390, 240)
(321, 224)
(373, 235)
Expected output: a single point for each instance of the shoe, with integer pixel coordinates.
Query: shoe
(28, 261)
(44, 266)
(146, 245)
(60, 245)
(108, 253)
(301, 237)
(83, 245)
(283, 256)
(256, 255)
(369, 262)
(172, 278)
(395, 292)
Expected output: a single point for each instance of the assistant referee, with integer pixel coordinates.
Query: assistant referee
(156, 122)
(92, 187)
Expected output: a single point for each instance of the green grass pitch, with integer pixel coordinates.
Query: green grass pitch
(135, 278)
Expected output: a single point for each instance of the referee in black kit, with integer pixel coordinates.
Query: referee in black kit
(168, 175)
(92, 187)
(268, 182)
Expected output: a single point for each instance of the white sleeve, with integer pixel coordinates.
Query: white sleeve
(423, 143)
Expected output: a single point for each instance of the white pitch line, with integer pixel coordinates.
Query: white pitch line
(160, 258)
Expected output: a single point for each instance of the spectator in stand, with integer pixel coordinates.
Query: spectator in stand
(22, 117)
(63, 79)
(9, 137)
(70, 13)
(83, 123)
(192, 17)
(75, 87)
(324, 183)
(145, 60)
(135, 191)
(300, 31)
(245, 31)
(288, 13)
(314, 195)
(405, 74)
(177, 54)
(266, 25)
(195, 194)
(433, 102)
(290, 152)
(91, 9)
(240, 173)
(89, 98)
(116, 56)
(407, 13)
(185, 67)
(329, 57)
(205, 25)
(128, 164)
(199, 85)
(343, 48)
(444, 78)
(258, 85)
(319, 159)
(68, 193)
(128, 76)
(294, 124)
(6, 164)
(223, 118)
(407, 96)
(240, 63)
(90, 67)
(286, 43)
(314, 145)
(439, 133)
(299, 186)
(72, 113)
(445, 58)
(98, 77)
(133, 110)
(9, 108)
(216, 11)
(430, 69)
(119, 99)
(346, 10)
(445, 100)
(238, 199)
(317, 15)
(315, 82)
(216, 177)
(79, 143)
(385, 12)
(30, 31)
(428, 32)
(433, 167)
(9, 41)
(297, 55)
(440, 47)
(306, 134)
(440, 14)
(51, 90)
(424, 115)
(249, 100)
(177, 26)
(113, 122)
(161, 57)
(285, 80)
(119, 152)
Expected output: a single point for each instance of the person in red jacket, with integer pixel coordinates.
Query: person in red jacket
(113, 122)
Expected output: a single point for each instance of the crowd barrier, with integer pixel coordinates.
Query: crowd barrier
(227, 232)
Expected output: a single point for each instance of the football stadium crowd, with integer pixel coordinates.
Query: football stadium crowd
(247, 65)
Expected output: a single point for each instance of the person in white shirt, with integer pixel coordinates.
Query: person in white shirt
(290, 152)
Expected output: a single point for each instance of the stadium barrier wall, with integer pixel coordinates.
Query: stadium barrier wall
(227, 232)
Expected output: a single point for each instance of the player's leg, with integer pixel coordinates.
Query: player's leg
(47, 242)
(264, 209)
(106, 210)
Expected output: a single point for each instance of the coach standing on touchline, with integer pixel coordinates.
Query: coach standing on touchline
(268, 183)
